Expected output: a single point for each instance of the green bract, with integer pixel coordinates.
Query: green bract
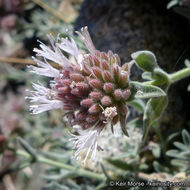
(146, 60)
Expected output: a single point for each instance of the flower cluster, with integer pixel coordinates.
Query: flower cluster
(92, 90)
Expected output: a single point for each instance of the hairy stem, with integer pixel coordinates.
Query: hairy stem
(179, 75)
(79, 172)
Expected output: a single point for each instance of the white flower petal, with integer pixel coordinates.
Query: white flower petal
(86, 143)
(69, 46)
(54, 54)
(54, 104)
(43, 99)
(44, 68)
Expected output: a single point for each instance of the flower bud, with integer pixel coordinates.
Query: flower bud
(95, 95)
(104, 65)
(106, 101)
(110, 53)
(94, 108)
(95, 83)
(82, 86)
(116, 72)
(111, 57)
(96, 61)
(123, 78)
(108, 87)
(64, 89)
(125, 67)
(76, 77)
(90, 60)
(86, 102)
(97, 72)
(86, 70)
(64, 81)
(126, 94)
(118, 94)
(107, 76)
(117, 59)
(104, 56)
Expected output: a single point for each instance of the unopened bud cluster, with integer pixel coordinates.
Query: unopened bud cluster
(87, 94)
(92, 92)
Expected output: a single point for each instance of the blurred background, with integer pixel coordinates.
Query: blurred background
(123, 26)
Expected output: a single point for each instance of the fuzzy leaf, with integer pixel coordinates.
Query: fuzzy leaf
(176, 154)
(173, 153)
(186, 137)
(172, 136)
(141, 90)
(146, 60)
(181, 146)
(154, 109)
(156, 151)
(172, 3)
(143, 167)
(186, 153)
(159, 168)
(28, 148)
(180, 163)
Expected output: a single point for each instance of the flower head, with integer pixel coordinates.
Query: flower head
(92, 91)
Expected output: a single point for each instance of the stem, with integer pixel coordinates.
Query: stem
(56, 13)
(80, 172)
(17, 60)
(179, 75)
(14, 60)
(162, 141)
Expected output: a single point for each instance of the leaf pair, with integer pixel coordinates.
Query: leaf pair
(155, 89)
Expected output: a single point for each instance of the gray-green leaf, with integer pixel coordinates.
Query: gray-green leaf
(186, 137)
(141, 90)
(181, 146)
(146, 60)
(154, 109)
(172, 3)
